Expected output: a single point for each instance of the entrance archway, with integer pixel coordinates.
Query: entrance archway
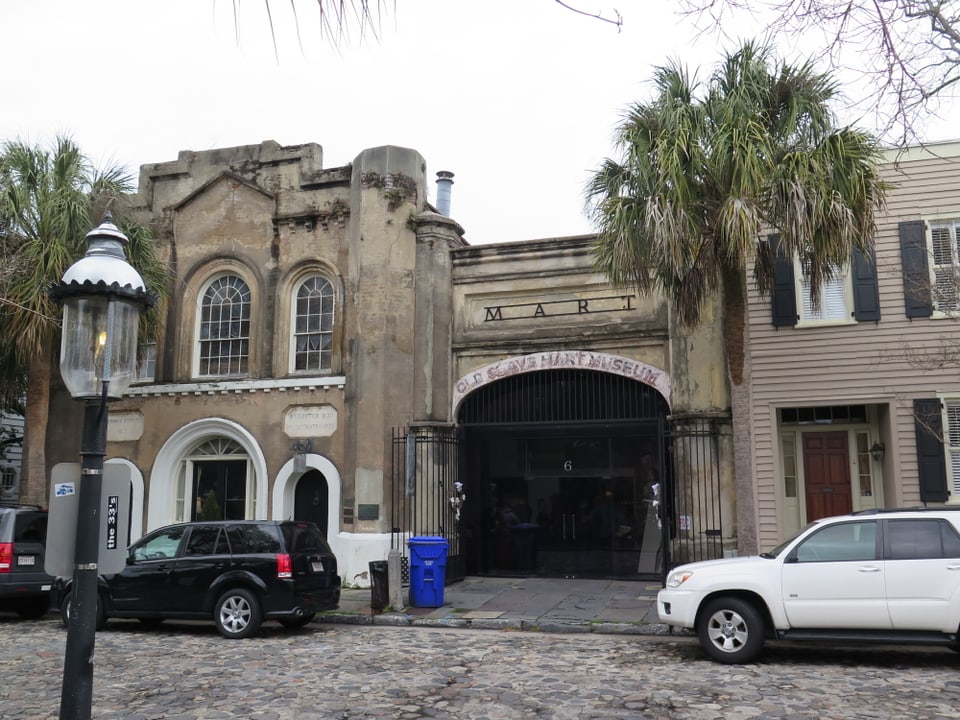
(169, 476)
(566, 466)
(284, 501)
(311, 499)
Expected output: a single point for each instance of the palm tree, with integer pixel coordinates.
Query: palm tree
(707, 170)
(49, 200)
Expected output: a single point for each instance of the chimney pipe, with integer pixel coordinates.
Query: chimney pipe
(444, 183)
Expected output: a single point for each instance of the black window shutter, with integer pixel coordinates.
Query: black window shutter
(866, 295)
(931, 464)
(916, 274)
(784, 298)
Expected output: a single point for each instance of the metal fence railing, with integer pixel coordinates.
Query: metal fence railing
(426, 469)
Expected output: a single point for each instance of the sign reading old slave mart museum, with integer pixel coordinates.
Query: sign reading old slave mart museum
(577, 359)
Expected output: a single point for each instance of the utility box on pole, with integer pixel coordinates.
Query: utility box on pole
(114, 519)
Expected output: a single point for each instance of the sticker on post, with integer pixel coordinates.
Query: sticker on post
(64, 489)
(113, 509)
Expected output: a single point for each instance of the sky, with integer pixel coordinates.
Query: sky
(518, 98)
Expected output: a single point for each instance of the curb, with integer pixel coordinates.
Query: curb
(545, 626)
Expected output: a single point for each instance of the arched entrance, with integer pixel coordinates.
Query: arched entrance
(218, 485)
(284, 500)
(178, 479)
(566, 468)
(311, 499)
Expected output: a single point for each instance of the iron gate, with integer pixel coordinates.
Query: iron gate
(693, 501)
(426, 499)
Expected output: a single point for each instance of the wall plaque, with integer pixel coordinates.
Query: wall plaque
(368, 512)
(310, 421)
(124, 426)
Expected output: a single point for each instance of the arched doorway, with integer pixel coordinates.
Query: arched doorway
(311, 499)
(173, 490)
(566, 468)
(216, 482)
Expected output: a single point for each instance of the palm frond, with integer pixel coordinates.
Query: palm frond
(49, 200)
(705, 170)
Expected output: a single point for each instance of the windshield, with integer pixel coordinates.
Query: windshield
(783, 546)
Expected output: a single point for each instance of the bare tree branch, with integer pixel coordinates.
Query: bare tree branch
(618, 21)
(909, 48)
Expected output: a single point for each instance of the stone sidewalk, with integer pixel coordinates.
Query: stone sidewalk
(540, 604)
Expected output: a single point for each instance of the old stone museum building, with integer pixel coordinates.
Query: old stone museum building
(334, 350)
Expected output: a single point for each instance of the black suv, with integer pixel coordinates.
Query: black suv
(24, 586)
(237, 573)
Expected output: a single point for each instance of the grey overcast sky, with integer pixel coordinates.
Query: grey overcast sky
(518, 98)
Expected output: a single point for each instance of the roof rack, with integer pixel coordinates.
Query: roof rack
(918, 508)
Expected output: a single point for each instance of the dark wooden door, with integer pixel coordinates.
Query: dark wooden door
(826, 471)
(311, 500)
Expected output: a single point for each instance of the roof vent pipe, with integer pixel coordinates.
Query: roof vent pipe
(444, 183)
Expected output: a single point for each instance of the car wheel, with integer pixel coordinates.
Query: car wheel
(731, 630)
(101, 619)
(237, 614)
(33, 610)
(295, 623)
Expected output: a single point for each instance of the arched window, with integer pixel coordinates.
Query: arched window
(224, 332)
(313, 325)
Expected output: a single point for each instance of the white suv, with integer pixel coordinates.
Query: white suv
(888, 576)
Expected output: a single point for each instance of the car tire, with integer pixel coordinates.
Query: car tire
(237, 614)
(295, 623)
(101, 619)
(731, 630)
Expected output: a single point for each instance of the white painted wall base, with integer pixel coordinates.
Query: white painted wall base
(355, 552)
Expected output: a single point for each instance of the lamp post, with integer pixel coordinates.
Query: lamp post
(102, 296)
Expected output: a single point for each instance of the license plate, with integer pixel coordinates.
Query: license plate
(317, 566)
(26, 560)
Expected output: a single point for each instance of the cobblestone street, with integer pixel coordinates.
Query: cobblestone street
(187, 672)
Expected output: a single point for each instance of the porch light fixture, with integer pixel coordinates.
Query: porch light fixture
(877, 451)
(102, 297)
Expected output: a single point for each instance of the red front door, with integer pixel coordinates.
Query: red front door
(826, 471)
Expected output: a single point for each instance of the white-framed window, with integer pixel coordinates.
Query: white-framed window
(952, 441)
(223, 329)
(313, 323)
(944, 264)
(9, 487)
(836, 297)
(147, 363)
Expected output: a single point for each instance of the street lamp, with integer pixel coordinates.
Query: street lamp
(102, 296)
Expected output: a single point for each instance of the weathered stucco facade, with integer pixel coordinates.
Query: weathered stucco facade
(321, 320)
(540, 306)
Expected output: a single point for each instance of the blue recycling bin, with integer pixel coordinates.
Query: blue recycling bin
(428, 570)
